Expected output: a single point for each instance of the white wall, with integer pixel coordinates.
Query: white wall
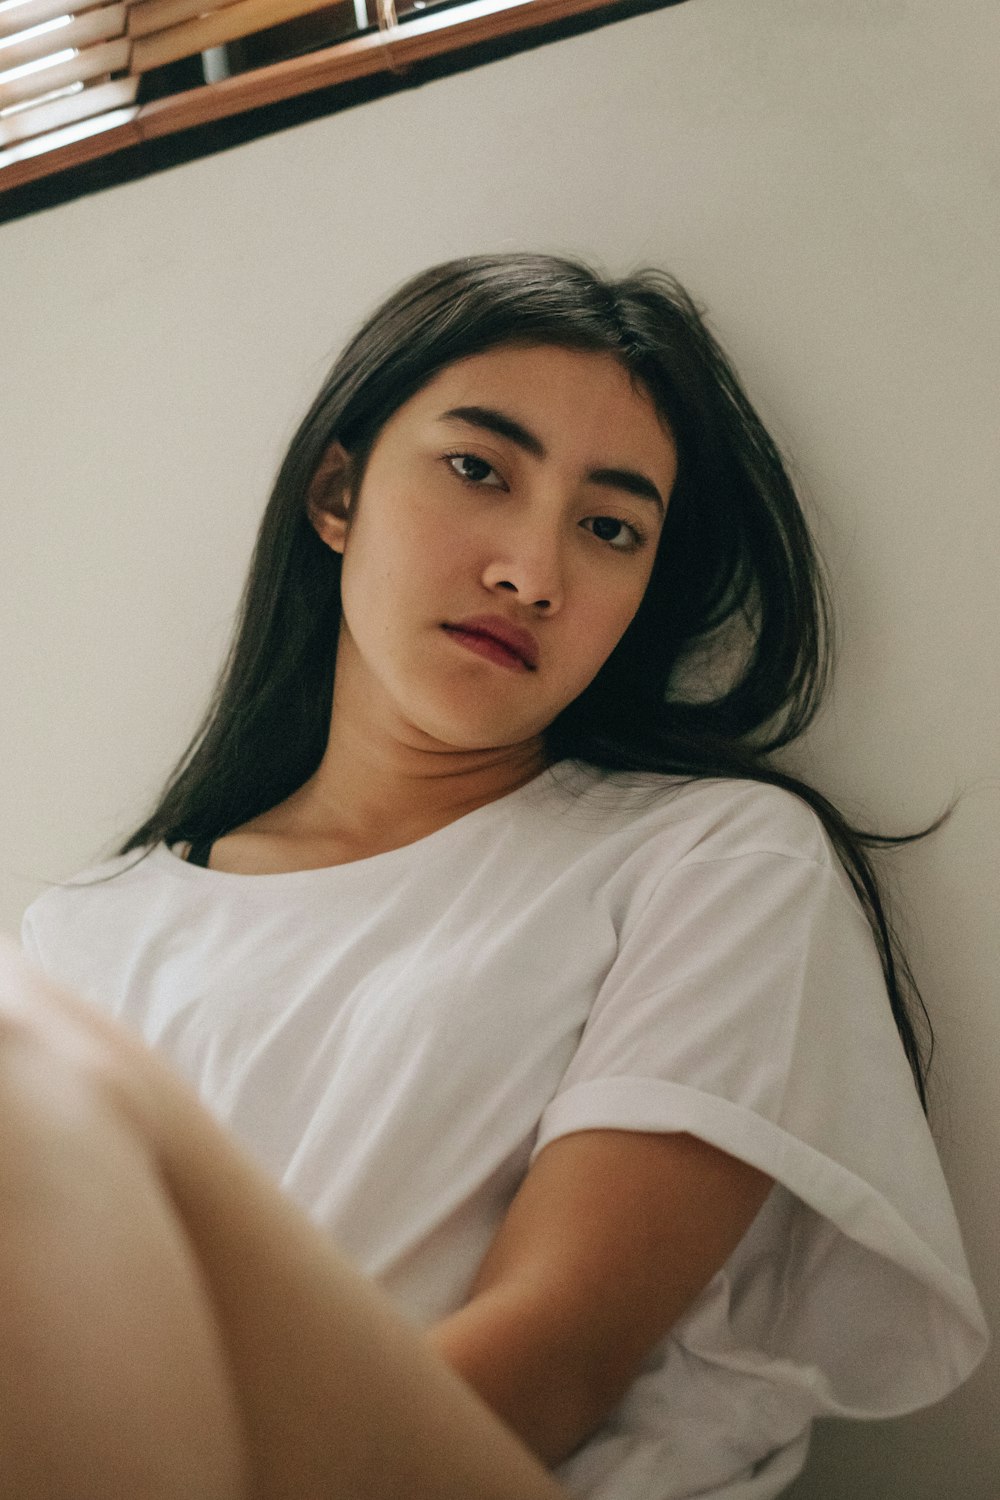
(824, 175)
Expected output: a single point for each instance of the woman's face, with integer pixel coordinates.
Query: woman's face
(523, 487)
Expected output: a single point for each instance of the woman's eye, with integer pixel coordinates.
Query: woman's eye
(472, 469)
(618, 534)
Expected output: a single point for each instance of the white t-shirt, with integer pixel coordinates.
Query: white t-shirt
(395, 1039)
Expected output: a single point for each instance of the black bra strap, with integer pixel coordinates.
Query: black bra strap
(199, 852)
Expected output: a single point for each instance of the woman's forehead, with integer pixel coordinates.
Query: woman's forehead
(511, 364)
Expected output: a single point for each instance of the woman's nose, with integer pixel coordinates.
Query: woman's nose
(531, 568)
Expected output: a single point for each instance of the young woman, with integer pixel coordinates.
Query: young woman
(480, 916)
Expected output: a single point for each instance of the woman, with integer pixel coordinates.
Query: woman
(480, 916)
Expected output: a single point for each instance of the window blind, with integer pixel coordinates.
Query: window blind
(61, 61)
(71, 71)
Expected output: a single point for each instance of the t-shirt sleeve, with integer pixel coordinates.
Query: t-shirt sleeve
(747, 1006)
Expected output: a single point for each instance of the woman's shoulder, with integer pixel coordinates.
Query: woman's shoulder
(102, 884)
(711, 817)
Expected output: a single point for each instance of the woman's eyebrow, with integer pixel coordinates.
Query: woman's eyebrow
(504, 426)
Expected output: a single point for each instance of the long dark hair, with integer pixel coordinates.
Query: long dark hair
(735, 571)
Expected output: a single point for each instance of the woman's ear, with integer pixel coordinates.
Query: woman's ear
(328, 496)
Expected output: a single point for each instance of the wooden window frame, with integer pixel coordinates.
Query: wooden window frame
(214, 116)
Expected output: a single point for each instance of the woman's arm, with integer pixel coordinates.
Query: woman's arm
(330, 1392)
(610, 1238)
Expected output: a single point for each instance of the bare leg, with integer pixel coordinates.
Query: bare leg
(219, 1345)
(113, 1380)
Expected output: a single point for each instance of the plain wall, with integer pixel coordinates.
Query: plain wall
(824, 175)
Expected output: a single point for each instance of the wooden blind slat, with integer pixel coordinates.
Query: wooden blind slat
(42, 117)
(18, 15)
(84, 140)
(93, 26)
(227, 24)
(106, 57)
(156, 15)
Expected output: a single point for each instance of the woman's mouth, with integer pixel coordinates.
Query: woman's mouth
(489, 647)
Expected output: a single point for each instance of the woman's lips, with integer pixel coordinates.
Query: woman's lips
(498, 628)
(486, 645)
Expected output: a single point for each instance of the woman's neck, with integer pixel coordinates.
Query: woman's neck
(357, 808)
(368, 793)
